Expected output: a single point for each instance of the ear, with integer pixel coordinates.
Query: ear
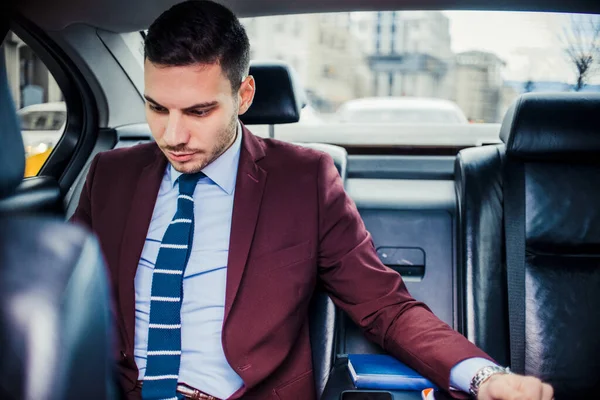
(246, 94)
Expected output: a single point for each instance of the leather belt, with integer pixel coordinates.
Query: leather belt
(188, 392)
(193, 394)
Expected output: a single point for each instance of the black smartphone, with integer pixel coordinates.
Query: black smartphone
(365, 395)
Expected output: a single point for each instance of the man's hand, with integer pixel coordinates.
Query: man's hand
(514, 387)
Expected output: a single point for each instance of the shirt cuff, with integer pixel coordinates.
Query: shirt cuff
(463, 372)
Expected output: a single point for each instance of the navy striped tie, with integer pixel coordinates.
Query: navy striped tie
(164, 330)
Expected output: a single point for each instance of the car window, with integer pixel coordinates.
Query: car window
(38, 99)
(479, 62)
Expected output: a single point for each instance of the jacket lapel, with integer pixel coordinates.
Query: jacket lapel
(249, 189)
(134, 236)
(250, 184)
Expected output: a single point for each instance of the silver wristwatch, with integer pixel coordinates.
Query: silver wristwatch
(483, 375)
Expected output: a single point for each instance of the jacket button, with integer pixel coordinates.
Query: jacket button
(123, 355)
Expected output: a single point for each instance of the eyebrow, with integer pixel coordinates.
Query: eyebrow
(195, 106)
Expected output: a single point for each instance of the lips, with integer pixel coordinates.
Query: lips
(181, 157)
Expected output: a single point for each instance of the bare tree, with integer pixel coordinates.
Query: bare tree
(581, 40)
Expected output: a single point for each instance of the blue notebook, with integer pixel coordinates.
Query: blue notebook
(375, 371)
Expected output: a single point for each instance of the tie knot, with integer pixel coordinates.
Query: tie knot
(187, 183)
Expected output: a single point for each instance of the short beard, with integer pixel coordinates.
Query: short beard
(225, 139)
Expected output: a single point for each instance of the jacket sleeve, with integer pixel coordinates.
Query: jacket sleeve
(375, 296)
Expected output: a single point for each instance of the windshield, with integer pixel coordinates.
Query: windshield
(465, 66)
(480, 61)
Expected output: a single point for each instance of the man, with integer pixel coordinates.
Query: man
(215, 240)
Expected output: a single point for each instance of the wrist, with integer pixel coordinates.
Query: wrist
(483, 375)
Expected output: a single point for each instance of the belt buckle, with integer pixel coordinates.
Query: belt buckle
(192, 393)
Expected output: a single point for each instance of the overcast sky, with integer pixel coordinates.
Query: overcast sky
(529, 43)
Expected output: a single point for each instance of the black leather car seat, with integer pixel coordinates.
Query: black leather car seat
(553, 142)
(54, 305)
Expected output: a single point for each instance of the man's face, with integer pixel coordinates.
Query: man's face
(192, 112)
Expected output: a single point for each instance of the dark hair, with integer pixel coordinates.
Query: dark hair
(200, 32)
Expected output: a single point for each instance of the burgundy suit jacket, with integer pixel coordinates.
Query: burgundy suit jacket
(293, 224)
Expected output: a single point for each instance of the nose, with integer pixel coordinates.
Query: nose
(175, 132)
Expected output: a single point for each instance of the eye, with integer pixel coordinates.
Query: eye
(199, 113)
(157, 109)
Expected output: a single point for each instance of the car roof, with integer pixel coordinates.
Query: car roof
(135, 15)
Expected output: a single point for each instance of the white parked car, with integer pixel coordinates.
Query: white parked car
(42, 125)
(404, 110)
(310, 116)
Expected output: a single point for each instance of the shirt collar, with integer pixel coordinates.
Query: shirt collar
(223, 170)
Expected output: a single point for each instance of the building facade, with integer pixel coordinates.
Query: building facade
(479, 87)
(410, 54)
(29, 79)
(324, 50)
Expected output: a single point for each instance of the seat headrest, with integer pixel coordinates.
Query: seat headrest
(12, 152)
(548, 126)
(278, 98)
(55, 324)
